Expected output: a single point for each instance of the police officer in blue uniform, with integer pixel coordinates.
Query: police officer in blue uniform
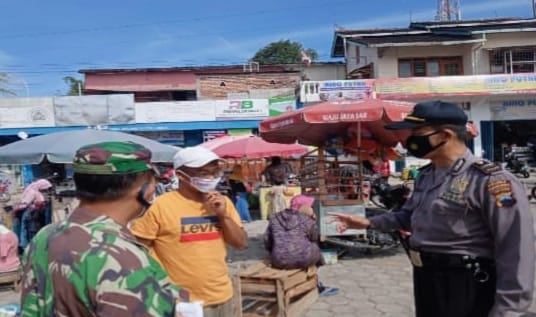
(472, 236)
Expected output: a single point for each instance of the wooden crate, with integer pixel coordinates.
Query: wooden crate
(11, 279)
(265, 291)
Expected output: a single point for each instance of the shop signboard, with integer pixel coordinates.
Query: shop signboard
(345, 89)
(212, 134)
(94, 110)
(238, 131)
(241, 109)
(280, 105)
(174, 111)
(513, 109)
(26, 112)
(481, 85)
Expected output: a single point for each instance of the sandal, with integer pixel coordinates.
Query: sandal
(329, 291)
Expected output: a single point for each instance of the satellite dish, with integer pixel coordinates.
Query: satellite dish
(23, 135)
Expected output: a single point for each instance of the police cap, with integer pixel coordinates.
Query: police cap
(431, 113)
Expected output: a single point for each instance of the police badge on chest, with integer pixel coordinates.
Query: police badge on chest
(454, 193)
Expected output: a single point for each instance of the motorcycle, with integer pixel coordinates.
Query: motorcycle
(516, 166)
(386, 198)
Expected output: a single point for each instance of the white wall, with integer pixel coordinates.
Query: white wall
(325, 72)
(497, 40)
(387, 64)
(475, 56)
(366, 56)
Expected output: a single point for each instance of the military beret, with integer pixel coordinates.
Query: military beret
(431, 113)
(109, 158)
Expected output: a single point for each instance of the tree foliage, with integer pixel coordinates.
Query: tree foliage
(4, 82)
(75, 85)
(283, 52)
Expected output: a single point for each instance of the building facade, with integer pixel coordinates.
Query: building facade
(488, 67)
(154, 87)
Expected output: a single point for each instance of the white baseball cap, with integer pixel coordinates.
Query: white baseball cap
(195, 156)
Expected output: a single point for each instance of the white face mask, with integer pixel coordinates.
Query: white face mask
(205, 185)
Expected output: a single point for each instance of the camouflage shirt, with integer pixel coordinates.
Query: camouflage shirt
(93, 267)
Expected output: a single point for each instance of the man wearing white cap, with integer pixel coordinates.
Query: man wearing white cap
(188, 229)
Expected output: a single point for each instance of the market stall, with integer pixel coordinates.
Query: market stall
(340, 129)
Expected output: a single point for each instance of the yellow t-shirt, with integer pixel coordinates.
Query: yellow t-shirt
(188, 242)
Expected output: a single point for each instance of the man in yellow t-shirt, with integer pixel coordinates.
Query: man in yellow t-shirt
(187, 230)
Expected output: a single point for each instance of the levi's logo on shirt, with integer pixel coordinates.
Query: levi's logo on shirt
(199, 229)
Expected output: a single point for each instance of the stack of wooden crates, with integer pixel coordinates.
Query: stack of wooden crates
(264, 291)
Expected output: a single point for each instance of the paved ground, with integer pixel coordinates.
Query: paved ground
(371, 285)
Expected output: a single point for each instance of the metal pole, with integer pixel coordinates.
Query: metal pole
(25, 87)
(359, 163)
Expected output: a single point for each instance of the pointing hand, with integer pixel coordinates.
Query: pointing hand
(346, 221)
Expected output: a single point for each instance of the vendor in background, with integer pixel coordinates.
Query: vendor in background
(239, 193)
(166, 181)
(382, 168)
(32, 212)
(277, 172)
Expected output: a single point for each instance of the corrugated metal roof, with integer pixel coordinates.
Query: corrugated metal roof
(444, 32)
(354, 32)
(208, 69)
(411, 39)
(482, 23)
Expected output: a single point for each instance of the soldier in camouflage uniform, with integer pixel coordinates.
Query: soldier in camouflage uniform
(472, 235)
(90, 264)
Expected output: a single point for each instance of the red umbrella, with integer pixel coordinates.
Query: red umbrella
(312, 125)
(251, 147)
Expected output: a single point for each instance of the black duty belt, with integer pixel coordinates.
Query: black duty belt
(478, 265)
(424, 259)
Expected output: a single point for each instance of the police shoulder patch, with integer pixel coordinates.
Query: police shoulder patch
(487, 167)
(502, 190)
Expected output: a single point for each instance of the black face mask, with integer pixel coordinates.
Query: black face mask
(419, 145)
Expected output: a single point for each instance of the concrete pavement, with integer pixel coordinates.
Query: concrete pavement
(370, 285)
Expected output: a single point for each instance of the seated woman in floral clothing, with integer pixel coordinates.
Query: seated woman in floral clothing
(292, 236)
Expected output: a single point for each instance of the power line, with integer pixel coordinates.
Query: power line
(139, 25)
(168, 64)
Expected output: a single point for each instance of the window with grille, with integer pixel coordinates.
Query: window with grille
(429, 67)
(513, 60)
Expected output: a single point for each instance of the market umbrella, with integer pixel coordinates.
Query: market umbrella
(251, 147)
(59, 147)
(312, 125)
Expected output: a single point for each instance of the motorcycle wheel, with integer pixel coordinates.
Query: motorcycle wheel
(533, 192)
(526, 174)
